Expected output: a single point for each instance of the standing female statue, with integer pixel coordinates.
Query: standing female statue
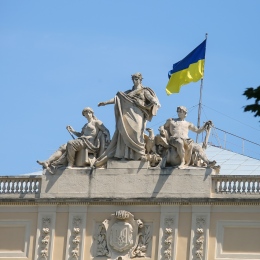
(132, 110)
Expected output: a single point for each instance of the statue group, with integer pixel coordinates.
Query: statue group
(133, 108)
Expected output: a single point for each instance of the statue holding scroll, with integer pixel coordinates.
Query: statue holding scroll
(132, 110)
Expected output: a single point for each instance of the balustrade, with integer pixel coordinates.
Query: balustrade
(221, 184)
(236, 184)
(21, 185)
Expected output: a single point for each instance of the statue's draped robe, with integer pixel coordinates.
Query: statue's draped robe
(132, 110)
(96, 146)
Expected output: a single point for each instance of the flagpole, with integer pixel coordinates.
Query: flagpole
(200, 100)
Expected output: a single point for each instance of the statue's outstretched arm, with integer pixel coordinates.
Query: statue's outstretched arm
(205, 127)
(111, 101)
(195, 129)
(71, 130)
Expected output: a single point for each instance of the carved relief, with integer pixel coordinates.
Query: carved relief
(143, 242)
(122, 237)
(75, 252)
(199, 238)
(101, 239)
(45, 237)
(168, 238)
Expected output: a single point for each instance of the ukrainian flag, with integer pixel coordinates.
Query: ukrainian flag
(189, 69)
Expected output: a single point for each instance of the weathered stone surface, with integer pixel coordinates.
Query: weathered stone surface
(127, 183)
(124, 164)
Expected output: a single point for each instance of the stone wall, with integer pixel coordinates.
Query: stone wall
(129, 211)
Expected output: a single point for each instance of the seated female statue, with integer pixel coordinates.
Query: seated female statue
(93, 138)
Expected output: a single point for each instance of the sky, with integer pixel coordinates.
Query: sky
(57, 57)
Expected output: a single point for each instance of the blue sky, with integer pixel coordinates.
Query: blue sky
(57, 57)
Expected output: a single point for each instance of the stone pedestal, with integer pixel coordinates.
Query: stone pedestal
(127, 180)
(124, 164)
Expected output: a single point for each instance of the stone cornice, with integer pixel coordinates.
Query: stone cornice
(142, 201)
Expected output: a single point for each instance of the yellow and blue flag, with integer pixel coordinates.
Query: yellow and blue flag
(189, 69)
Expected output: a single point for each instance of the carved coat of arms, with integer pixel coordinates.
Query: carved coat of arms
(121, 235)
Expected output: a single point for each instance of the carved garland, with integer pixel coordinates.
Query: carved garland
(168, 238)
(45, 235)
(102, 249)
(75, 252)
(199, 237)
(143, 241)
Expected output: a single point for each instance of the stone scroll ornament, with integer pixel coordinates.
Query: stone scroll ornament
(168, 238)
(198, 252)
(122, 237)
(75, 252)
(45, 238)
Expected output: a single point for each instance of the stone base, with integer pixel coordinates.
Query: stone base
(127, 183)
(124, 164)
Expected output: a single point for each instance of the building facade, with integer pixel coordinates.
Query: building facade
(130, 211)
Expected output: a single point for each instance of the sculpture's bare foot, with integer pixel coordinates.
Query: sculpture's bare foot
(211, 163)
(182, 166)
(49, 170)
(70, 165)
(143, 158)
(44, 164)
(92, 162)
(216, 168)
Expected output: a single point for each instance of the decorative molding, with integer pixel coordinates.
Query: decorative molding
(16, 224)
(76, 237)
(247, 200)
(199, 233)
(101, 241)
(131, 208)
(221, 225)
(168, 232)
(76, 233)
(199, 237)
(45, 233)
(143, 242)
(168, 237)
(20, 209)
(45, 237)
(235, 209)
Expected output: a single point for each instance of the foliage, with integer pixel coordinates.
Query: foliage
(255, 94)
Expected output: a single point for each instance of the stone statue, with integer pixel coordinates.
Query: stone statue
(93, 139)
(132, 110)
(178, 147)
(152, 156)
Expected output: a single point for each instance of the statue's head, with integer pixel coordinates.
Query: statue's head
(88, 109)
(183, 110)
(137, 75)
